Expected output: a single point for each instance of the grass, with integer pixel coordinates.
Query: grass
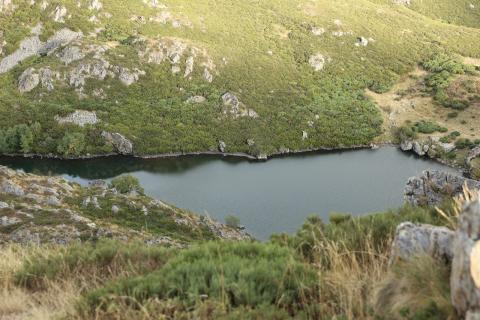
(335, 270)
(282, 88)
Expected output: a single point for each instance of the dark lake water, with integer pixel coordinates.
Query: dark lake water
(268, 197)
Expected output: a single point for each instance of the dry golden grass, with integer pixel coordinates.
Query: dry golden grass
(459, 202)
(17, 303)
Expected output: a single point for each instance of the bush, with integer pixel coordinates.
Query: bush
(238, 274)
(72, 144)
(232, 221)
(127, 183)
(429, 127)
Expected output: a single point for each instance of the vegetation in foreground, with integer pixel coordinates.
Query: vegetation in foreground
(337, 270)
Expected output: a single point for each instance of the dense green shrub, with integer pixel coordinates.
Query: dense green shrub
(237, 274)
(72, 144)
(429, 127)
(127, 183)
(232, 221)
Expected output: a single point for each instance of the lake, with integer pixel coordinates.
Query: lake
(268, 197)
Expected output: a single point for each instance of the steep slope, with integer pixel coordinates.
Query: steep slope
(148, 77)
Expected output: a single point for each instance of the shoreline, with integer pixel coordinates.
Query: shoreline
(239, 155)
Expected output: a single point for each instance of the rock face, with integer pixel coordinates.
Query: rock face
(121, 144)
(317, 62)
(416, 239)
(433, 186)
(80, 118)
(32, 46)
(464, 280)
(234, 108)
(28, 80)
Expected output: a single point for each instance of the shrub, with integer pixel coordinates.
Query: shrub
(232, 221)
(452, 114)
(234, 273)
(72, 144)
(428, 127)
(464, 143)
(127, 183)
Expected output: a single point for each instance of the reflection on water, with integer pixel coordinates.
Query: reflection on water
(268, 197)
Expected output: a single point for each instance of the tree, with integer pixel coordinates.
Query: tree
(72, 144)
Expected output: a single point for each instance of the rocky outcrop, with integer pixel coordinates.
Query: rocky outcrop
(121, 144)
(28, 80)
(432, 187)
(234, 108)
(419, 239)
(71, 54)
(37, 209)
(465, 276)
(33, 46)
(317, 62)
(79, 118)
(403, 2)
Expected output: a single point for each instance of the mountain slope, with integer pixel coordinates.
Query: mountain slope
(182, 76)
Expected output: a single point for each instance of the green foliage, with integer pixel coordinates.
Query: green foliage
(355, 233)
(103, 259)
(464, 143)
(237, 274)
(72, 144)
(232, 221)
(428, 127)
(126, 184)
(18, 139)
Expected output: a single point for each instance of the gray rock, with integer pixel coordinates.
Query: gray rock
(196, 99)
(4, 205)
(419, 239)
(5, 5)
(28, 48)
(233, 107)
(464, 279)
(28, 80)
(189, 66)
(250, 142)
(53, 201)
(60, 38)
(79, 118)
(9, 221)
(207, 75)
(121, 144)
(406, 145)
(304, 135)
(70, 54)
(47, 77)
(33, 46)
(418, 148)
(361, 42)
(115, 209)
(222, 146)
(95, 5)
(317, 62)
(403, 2)
(59, 13)
(10, 187)
(432, 187)
(128, 77)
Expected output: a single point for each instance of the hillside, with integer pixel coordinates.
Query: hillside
(152, 77)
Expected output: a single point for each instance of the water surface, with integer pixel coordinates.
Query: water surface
(268, 197)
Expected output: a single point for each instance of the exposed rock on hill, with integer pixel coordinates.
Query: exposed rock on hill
(417, 239)
(80, 118)
(234, 108)
(433, 186)
(51, 210)
(33, 46)
(121, 144)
